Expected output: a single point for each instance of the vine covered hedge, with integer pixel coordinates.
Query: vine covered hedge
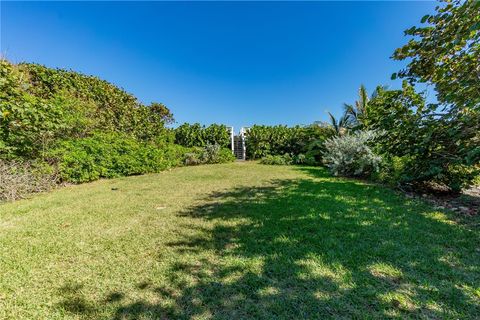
(39, 105)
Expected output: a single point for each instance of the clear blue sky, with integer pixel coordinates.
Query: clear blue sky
(232, 63)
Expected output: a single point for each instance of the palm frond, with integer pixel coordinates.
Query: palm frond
(334, 123)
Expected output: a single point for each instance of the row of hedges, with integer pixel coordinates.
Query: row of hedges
(62, 126)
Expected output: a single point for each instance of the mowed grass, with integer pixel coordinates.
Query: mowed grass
(235, 241)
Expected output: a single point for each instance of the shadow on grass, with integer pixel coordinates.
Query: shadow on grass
(317, 248)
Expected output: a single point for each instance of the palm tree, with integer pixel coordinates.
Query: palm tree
(339, 126)
(354, 113)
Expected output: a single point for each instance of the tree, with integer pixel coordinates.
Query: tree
(421, 145)
(354, 113)
(445, 53)
(340, 125)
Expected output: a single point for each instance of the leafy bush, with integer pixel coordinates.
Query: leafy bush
(19, 179)
(286, 159)
(112, 155)
(196, 135)
(211, 153)
(350, 155)
(225, 155)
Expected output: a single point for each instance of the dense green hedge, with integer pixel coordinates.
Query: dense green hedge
(108, 155)
(196, 135)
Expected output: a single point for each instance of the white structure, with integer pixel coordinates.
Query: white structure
(232, 134)
(239, 148)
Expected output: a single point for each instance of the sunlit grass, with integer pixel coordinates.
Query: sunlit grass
(231, 241)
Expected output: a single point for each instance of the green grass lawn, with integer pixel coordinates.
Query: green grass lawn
(235, 241)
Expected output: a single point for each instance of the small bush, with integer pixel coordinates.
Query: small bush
(286, 159)
(225, 155)
(350, 155)
(192, 159)
(19, 179)
(211, 153)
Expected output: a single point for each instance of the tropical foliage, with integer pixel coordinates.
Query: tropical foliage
(429, 144)
(444, 52)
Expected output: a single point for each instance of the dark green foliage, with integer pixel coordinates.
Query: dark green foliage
(421, 145)
(112, 155)
(445, 136)
(196, 135)
(262, 140)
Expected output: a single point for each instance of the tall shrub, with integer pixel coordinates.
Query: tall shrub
(432, 147)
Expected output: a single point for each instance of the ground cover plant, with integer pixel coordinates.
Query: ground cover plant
(238, 240)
